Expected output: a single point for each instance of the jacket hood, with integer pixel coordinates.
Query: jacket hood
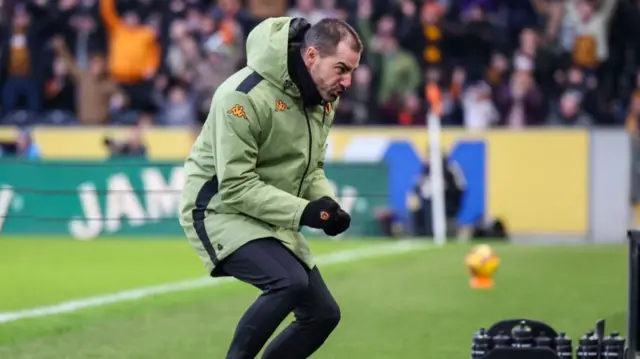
(273, 51)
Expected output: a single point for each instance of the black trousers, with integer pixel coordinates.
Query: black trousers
(287, 286)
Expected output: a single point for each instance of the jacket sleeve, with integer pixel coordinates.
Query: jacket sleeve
(318, 184)
(110, 15)
(236, 128)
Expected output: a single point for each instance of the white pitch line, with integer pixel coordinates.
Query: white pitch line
(139, 293)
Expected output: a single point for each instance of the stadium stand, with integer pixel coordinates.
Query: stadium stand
(508, 63)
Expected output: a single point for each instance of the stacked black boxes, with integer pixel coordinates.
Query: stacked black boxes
(530, 339)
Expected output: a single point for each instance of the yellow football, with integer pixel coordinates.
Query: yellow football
(482, 261)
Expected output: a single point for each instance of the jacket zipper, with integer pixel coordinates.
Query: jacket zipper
(306, 116)
(304, 174)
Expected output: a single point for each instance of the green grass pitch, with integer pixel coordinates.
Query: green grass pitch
(412, 305)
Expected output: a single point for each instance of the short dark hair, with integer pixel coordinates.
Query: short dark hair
(327, 33)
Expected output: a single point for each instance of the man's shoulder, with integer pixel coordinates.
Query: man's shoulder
(245, 82)
(248, 86)
(232, 82)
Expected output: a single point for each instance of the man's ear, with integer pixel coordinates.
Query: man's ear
(311, 54)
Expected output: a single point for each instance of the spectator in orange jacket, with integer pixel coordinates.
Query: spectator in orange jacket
(134, 52)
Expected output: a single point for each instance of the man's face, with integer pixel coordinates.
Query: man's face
(304, 5)
(568, 105)
(528, 41)
(585, 8)
(332, 73)
(499, 63)
(21, 19)
(131, 19)
(177, 96)
(576, 77)
(386, 26)
(229, 6)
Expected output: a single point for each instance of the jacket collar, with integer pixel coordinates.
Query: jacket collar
(296, 67)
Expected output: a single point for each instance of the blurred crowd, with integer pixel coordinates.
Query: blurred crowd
(498, 63)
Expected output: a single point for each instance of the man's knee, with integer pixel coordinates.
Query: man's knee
(325, 317)
(329, 316)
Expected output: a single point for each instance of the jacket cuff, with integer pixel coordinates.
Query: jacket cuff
(295, 224)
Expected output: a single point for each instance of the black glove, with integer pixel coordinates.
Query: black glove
(338, 224)
(320, 213)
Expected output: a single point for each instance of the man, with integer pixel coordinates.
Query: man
(134, 52)
(421, 197)
(255, 177)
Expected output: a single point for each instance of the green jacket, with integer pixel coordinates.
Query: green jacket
(259, 158)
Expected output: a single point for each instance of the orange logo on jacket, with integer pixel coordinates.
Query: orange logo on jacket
(328, 108)
(281, 106)
(238, 111)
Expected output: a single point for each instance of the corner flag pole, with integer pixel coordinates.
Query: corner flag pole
(433, 95)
